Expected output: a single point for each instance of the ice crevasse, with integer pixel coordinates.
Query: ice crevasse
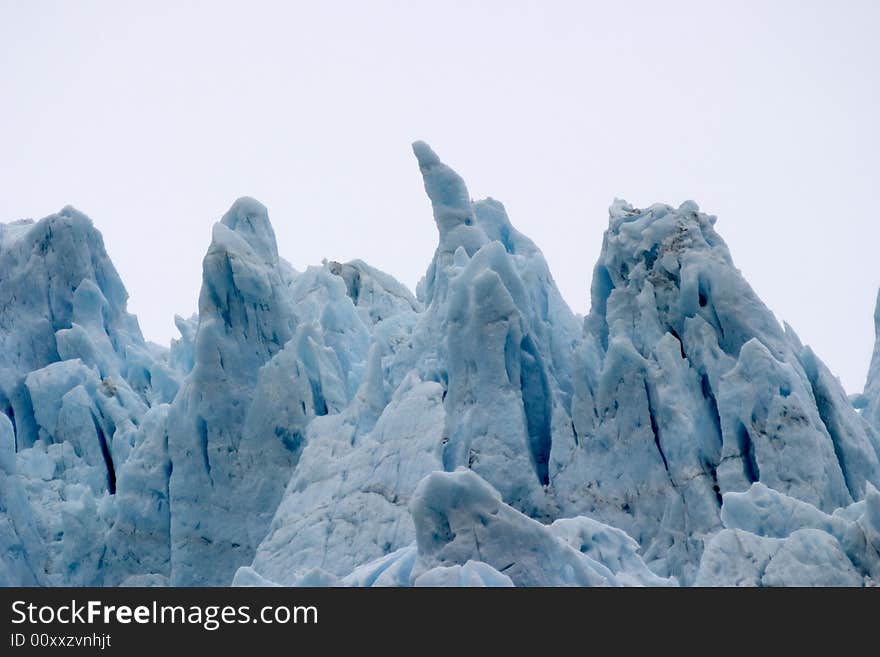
(330, 427)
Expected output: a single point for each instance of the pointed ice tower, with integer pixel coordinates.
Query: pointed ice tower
(270, 350)
(498, 336)
(690, 389)
(454, 216)
(483, 381)
(76, 379)
(870, 400)
(61, 299)
(223, 489)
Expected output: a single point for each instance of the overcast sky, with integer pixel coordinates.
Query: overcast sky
(152, 117)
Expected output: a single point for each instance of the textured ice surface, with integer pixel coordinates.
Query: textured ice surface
(465, 535)
(498, 336)
(775, 540)
(351, 470)
(689, 389)
(869, 402)
(327, 427)
(228, 474)
(76, 377)
(460, 517)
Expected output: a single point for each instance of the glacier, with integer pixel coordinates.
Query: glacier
(329, 427)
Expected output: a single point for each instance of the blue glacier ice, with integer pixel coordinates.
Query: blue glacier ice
(465, 535)
(771, 539)
(869, 401)
(480, 376)
(76, 379)
(690, 389)
(328, 427)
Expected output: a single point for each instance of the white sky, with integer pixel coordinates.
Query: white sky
(152, 117)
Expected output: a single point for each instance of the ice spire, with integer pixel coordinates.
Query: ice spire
(453, 214)
(250, 220)
(701, 393)
(446, 189)
(871, 397)
(224, 486)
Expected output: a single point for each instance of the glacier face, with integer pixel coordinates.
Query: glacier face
(327, 427)
(77, 386)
